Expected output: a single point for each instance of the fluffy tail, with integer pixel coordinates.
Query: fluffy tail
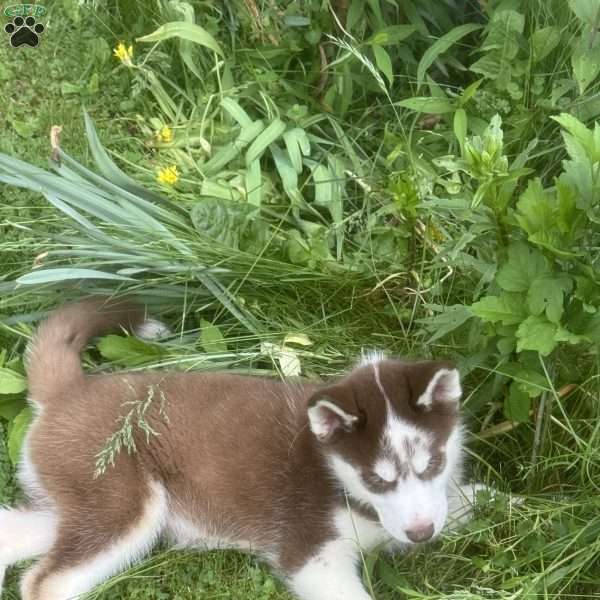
(53, 360)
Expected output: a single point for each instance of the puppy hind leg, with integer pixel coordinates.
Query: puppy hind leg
(24, 534)
(84, 556)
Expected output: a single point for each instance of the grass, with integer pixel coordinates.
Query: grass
(372, 241)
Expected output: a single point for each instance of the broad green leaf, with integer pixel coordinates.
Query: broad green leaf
(507, 309)
(533, 383)
(586, 63)
(517, 404)
(297, 145)
(501, 46)
(451, 318)
(544, 41)
(546, 295)
(185, 31)
(274, 130)
(586, 11)
(384, 63)
(236, 112)
(391, 35)
(129, 351)
(425, 104)
(211, 338)
(19, 428)
(289, 175)
(11, 382)
(440, 46)
(537, 334)
(523, 266)
(63, 274)
(11, 406)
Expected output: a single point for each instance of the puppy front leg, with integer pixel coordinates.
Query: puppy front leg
(332, 574)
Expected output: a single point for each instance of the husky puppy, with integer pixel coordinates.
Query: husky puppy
(302, 475)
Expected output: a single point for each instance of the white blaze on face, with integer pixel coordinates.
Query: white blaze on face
(414, 503)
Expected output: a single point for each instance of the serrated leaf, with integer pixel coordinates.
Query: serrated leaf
(18, 430)
(440, 46)
(523, 266)
(517, 404)
(211, 338)
(11, 382)
(537, 334)
(185, 31)
(384, 63)
(507, 309)
(546, 295)
(129, 351)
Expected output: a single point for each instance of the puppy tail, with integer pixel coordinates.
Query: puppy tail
(53, 358)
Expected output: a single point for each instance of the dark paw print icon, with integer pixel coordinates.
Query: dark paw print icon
(24, 32)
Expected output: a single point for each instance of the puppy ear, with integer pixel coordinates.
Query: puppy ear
(434, 385)
(332, 411)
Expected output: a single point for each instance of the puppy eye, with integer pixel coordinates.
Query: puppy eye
(435, 464)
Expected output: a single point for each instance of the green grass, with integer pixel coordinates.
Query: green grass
(381, 258)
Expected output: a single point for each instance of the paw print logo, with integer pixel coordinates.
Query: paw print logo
(24, 32)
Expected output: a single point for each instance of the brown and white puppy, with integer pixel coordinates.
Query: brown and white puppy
(302, 475)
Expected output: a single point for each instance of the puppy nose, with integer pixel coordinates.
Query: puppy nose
(420, 534)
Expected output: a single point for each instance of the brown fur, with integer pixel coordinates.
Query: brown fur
(235, 454)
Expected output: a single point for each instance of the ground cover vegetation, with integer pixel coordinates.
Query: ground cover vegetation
(287, 183)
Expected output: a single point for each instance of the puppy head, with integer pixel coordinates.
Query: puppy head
(391, 433)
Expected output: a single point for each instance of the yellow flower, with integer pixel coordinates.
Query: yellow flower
(165, 134)
(124, 54)
(168, 175)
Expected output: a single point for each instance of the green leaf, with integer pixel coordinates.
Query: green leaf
(234, 224)
(460, 127)
(507, 309)
(425, 104)
(185, 31)
(446, 321)
(546, 295)
(11, 406)
(391, 35)
(586, 11)
(523, 266)
(537, 334)
(544, 41)
(274, 130)
(384, 63)
(62, 274)
(11, 382)
(517, 404)
(211, 338)
(19, 428)
(129, 351)
(585, 61)
(440, 46)
(529, 381)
